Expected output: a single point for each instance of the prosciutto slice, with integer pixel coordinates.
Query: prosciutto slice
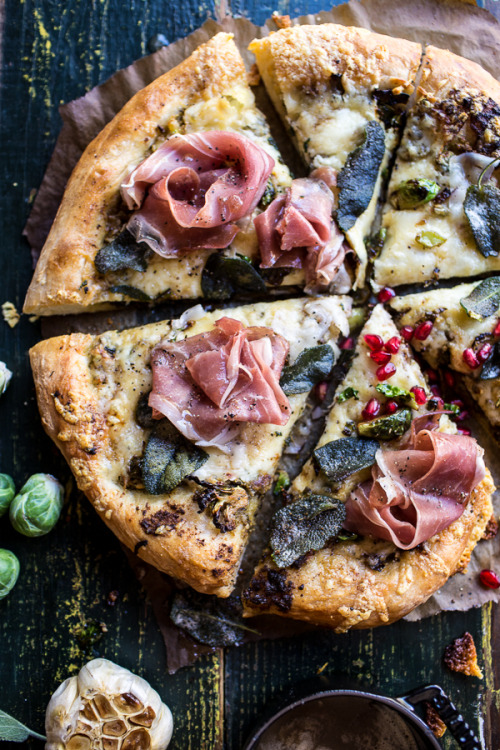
(419, 490)
(206, 385)
(296, 231)
(189, 192)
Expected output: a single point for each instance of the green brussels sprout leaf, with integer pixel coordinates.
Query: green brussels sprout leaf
(36, 508)
(282, 483)
(414, 193)
(348, 393)
(386, 428)
(123, 252)
(168, 459)
(311, 367)
(7, 492)
(356, 181)
(11, 730)
(222, 277)
(304, 526)
(343, 457)
(484, 300)
(215, 622)
(400, 395)
(9, 572)
(429, 238)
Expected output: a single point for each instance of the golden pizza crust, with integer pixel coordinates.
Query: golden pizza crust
(442, 72)
(337, 588)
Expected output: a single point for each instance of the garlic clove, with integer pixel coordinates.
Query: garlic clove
(107, 707)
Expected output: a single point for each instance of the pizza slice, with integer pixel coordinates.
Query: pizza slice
(161, 204)
(341, 91)
(440, 220)
(459, 328)
(391, 504)
(173, 430)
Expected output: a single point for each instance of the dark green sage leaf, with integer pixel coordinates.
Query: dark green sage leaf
(304, 526)
(130, 291)
(11, 730)
(222, 277)
(414, 193)
(311, 367)
(482, 208)
(144, 413)
(386, 428)
(214, 622)
(400, 395)
(484, 300)
(491, 368)
(123, 252)
(346, 394)
(390, 106)
(168, 459)
(356, 181)
(343, 457)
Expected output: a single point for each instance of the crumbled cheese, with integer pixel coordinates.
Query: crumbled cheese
(10, 314)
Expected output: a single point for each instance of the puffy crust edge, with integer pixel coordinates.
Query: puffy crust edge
(79, 228)
(303, 56)
(69, 407)
(442, 71)
(341, 592)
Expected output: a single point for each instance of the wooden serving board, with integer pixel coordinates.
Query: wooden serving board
(52, 52)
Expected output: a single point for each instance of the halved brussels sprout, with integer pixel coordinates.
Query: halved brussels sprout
(7, 492)
(9, 571)
(37, 507)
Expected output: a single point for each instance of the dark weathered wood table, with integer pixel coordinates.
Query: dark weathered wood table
(52, 52)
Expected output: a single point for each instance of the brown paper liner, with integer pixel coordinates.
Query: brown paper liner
(468, 31)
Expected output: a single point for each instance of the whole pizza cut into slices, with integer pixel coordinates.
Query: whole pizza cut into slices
(173, 430)
(390, 505)
(459, 328)
(341, 91)
(441, 218)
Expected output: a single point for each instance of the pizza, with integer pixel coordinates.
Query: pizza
(342, 92)
(390, 505)
(458, 328)
(440, 217)
(173, 462)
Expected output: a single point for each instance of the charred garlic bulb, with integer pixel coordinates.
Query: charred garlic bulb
(106, 707)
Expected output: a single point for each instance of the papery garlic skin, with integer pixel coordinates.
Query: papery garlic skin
(106, 707)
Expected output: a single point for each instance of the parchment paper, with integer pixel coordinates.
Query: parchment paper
(464, 29)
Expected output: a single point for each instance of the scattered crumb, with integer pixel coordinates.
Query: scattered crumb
(491, 529)
(33, 318)
(112, 598)
(253, 76)
(104, 627)
(322, 669)
(433, 720)
(32, 195)
(10, 314)
(461, 656)
(282, 22)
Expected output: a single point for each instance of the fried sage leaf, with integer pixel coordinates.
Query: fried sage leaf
(311, 367)
(304, 526)
(356, 181)
(491, 368)
(130, 291)
(215, 622)
(11, 730)
(386, 428)
(168, 459)
(222, 277)
(343, 457)
(482, 209)
(484, 300)
(123, 252)
(414, 193)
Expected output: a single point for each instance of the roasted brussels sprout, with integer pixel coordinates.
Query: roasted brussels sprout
(7, 492)
(5, 376)
(9, 572)
(36, 508)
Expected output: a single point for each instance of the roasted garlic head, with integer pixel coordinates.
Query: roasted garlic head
(106, 707)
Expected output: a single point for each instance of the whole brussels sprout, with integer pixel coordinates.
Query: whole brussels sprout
(7, 492)
(37, 507)
(5, 376)
(9, 572)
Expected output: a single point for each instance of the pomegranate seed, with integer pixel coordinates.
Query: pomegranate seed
(348, 343)
(393, 345)
(463, 431)
(484, 353)
(391, 407)
(470, 358)
(423, 330)
(489, 579)
(432, 375)
(407, 333)
(321, 390)
(461, 416)
(386, 294)
(374, 342)
(385, 371)
(381, 358)
(420, 395)
(496, 330)
(436, 391)
(449, 379)
(371, 409)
